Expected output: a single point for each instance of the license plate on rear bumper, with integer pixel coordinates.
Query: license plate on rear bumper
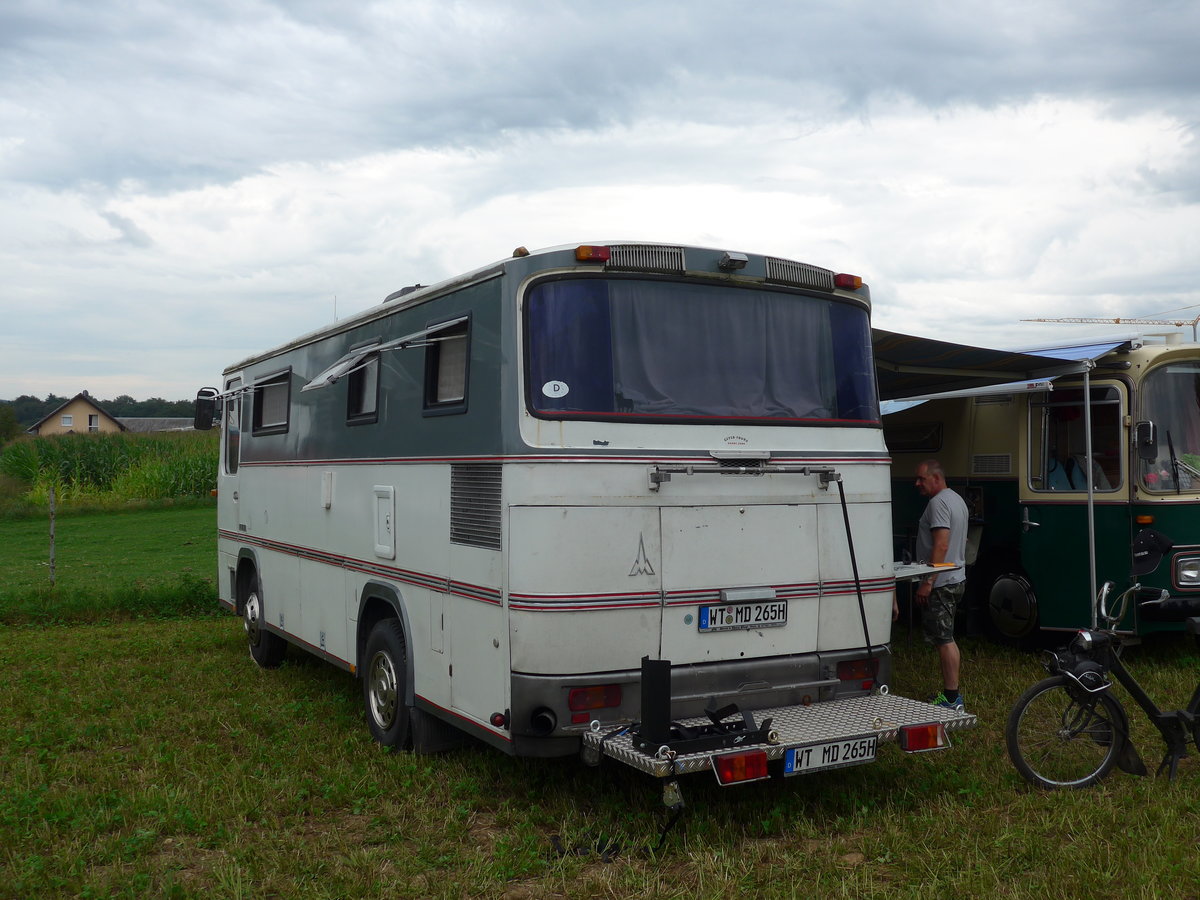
(829, 755)
(731, 616)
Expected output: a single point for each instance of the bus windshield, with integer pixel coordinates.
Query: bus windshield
(1171, 400)
(640, 349)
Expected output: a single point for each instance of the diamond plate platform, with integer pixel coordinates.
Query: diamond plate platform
(882, 715)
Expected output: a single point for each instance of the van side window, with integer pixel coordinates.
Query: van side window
(446, 368)
(232, 422)
(362, 405)
(1058, 450)
(271, 399)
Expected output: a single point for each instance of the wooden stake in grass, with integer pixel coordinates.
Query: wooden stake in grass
(52, 507)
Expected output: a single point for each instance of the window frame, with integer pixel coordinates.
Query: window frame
(231, 426)
(257, 427)
(1038, 450)
(367, 359)
(438, 331)
(534, 408)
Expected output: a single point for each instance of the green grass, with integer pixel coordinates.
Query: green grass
(149, 757)
(157, 562)
(154, 759)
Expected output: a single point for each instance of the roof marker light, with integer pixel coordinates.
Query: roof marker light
(847, 282)
(731, 262)
(590, 253)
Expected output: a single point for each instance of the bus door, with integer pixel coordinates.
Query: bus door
(1053, 509)
(231, 449)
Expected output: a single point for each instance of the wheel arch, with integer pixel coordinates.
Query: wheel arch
(248, 570)
(378, 602)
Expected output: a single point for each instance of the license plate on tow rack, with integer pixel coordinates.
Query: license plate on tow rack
(830, 755)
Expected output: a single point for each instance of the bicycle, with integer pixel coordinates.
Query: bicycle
(1069, 730)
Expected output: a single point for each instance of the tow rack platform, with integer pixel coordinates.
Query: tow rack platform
(880, 716)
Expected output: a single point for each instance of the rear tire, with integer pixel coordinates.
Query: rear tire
(385, 685)
(1060, 736)
(266, 648)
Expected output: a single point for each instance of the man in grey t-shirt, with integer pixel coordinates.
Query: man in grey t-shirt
(942, 538)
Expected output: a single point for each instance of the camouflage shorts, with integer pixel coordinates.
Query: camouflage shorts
(937, 619)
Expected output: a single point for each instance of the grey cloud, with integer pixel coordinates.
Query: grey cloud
(178, 94)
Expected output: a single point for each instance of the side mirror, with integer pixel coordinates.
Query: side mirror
(206, 408)
(1145, 439)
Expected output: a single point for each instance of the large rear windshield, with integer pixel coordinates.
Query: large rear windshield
(617, 348)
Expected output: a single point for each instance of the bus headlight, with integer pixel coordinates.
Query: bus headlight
(1187, 571)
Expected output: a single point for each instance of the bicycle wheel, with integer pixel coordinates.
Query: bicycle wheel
(1060, 736)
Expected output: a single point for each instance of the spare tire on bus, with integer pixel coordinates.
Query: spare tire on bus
(1012, 607)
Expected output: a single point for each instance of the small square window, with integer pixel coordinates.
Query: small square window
(68, 421)
(271, 398)
(446, 368)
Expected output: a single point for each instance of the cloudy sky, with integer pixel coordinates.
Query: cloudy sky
(184, 183)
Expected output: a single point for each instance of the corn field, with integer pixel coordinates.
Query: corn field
(117, 467)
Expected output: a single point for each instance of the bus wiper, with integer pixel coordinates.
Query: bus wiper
(1177, 464)
(1174, 461)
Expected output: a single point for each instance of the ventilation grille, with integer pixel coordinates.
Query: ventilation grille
(785, 271)
(646, 258)
(475, 505)
(994, 398)
(740, 463)
(991, 464)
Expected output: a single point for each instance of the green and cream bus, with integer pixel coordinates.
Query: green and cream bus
(1047, 504)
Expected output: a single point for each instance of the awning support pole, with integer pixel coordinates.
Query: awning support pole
(1091, 490)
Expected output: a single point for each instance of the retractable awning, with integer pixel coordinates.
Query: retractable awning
(903, 362)
(910, 367)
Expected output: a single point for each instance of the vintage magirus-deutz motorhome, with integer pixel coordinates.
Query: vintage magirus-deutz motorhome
(628, 499)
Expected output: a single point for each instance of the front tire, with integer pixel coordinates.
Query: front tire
(1060, 736)
(266, 648)
(385, 685)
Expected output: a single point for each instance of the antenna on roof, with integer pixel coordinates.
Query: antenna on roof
(1177, 323)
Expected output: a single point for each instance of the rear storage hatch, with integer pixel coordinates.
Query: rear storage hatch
(691, 584)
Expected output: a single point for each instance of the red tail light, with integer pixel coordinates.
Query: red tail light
(597, 696)
(860, 670)
(739, 768)
(847, 282)
(919, 738)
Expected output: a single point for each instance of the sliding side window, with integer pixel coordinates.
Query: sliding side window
(447, 355)
(271, 399)
(362, 405)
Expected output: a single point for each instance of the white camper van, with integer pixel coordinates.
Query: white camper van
(624, 499)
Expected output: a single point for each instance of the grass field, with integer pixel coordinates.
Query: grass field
(154, 562)
(150, 758)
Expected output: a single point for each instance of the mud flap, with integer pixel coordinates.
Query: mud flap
(431, 735)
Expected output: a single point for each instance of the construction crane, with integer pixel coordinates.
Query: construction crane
(1177, 323)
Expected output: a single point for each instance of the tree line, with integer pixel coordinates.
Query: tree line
(17, 415)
